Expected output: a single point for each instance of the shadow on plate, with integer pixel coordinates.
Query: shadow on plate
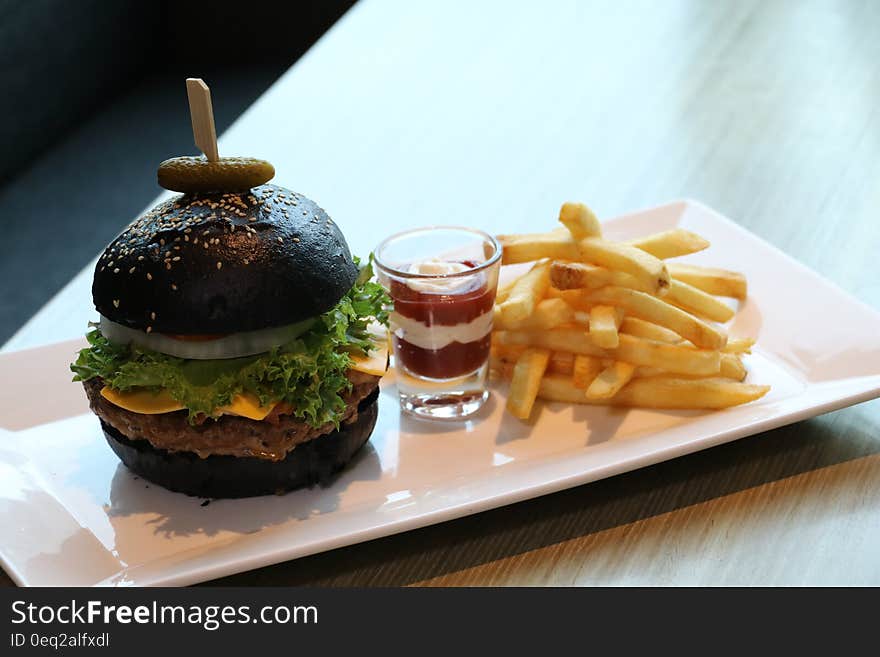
(600, 423)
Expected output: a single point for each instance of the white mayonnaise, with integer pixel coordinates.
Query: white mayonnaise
(436, 267)
(436, 336)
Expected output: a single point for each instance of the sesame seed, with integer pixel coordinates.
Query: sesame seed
(116, 270)
(281, 240)
(140, 258)
(149, 329)
(149, 276)
(116, 303)
(219, 264)
(296, 239)
(173, 286)
(167, 265)
(176, 258)
(153, 316)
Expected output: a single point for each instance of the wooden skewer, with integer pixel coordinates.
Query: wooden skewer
(202, 114)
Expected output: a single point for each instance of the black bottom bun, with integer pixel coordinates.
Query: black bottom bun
(310, 463)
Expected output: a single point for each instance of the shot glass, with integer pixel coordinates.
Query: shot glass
(442, 280)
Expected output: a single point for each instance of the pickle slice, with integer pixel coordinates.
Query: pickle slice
(229, 174)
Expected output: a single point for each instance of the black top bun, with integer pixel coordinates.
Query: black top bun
(217, 263)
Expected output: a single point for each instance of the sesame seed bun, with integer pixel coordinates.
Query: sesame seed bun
(219, 263)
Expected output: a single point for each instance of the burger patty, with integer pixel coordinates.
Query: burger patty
(229, 434)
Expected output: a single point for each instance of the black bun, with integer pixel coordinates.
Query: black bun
(312, 462)
(224, 263)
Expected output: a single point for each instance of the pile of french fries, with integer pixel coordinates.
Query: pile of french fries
(594, 321)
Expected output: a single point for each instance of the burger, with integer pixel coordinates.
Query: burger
(237, 350)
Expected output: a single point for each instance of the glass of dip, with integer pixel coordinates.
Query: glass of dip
(442, 280)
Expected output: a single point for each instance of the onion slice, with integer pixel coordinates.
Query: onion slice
(235, 345)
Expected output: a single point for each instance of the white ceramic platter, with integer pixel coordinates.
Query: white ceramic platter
(72, 515)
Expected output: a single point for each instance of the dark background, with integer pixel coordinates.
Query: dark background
(92, 98)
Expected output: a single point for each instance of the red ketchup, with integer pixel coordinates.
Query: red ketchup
(437, 320)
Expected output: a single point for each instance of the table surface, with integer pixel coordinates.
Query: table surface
(491, 114)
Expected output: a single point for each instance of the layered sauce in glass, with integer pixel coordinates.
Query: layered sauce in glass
(442, 325)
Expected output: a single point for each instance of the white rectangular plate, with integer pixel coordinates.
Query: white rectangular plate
(72, 515)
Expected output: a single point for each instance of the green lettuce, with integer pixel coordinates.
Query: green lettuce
(309, 372)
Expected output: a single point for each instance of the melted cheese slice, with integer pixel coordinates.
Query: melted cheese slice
(377, 362)
(147, 402)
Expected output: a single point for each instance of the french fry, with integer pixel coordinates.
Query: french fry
(585, 370)
(660, 392)
(644, 306)
(671, 243)
(504, 289)
(572, 340)
(642, 372)
(739, 345)
(526, 381)
(571, 297)
(695, 301)
(732, 367)
(610, 380)
(720, 282)
(580, 220)
(559, 365)
(499, 368)
(645, 268)
(638, 351)
(503, 359)
(669, 392)
(642, 329)
(581, 317)
(604, 322)
(576, 275)
(525, 294)
(508, 353)
(549, 313)
(561, 362)
(667, 357)
(530, 247)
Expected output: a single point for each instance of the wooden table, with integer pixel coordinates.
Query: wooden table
(491, 114)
